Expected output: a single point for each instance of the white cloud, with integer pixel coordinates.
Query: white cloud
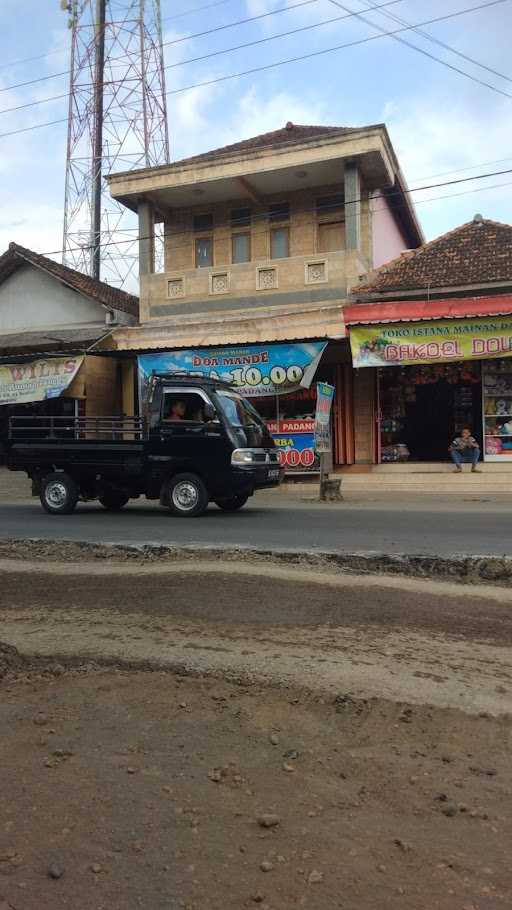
(196, 130)
(37, 226)
(437, 144)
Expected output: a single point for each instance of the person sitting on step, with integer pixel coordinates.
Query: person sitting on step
(465, 449)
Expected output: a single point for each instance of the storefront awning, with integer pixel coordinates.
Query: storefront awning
(288, 324)
(37, 380)
(418, 310)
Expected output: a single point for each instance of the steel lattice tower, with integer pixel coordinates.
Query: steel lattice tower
(117, 122)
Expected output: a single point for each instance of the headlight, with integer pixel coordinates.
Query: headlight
(243, 456)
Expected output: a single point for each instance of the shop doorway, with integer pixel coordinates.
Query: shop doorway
(423, 408)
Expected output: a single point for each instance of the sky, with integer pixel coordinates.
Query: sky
(444, 126)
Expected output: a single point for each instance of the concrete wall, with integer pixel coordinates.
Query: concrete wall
(308, 275)
(31, 300)
(103, 387)
(388, 241)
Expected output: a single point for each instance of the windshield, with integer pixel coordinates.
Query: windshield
(248, 425)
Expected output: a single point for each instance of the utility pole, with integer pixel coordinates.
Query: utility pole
(117, 121)
(97, 158)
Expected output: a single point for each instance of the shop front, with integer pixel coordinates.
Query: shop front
(279, 379)
(435, 377)
(70, 385)
(47, 387)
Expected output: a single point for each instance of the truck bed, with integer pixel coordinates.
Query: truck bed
(31, 438)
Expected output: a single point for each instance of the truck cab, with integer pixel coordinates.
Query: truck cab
(199, 441)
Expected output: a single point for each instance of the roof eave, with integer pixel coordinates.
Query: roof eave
(476, 290)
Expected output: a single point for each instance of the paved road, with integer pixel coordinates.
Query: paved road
(475, 529)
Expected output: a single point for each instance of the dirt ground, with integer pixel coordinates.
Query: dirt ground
(147, 790)
(411, 640)
(295, 739)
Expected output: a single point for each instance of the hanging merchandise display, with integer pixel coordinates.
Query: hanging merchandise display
(497, 403)
(422, 408)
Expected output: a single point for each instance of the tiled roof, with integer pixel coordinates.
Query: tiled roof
(111, 297)
(289, 133)
(474, 254)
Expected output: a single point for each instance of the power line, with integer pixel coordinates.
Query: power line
(197, 9)
(203, 34)
(189, 12)
(391, 193)
(349, 44)
(443, 44)
(462, 170)
(421, 50)
(304, 28)
(268, 66)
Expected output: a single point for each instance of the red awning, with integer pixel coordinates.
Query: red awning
(423, 310)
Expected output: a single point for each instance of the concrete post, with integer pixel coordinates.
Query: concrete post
(352, 183)
(146, 238)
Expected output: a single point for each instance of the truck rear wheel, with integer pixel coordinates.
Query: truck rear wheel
(186, 495)
(233, 504)
(59, 493)
(113, 500)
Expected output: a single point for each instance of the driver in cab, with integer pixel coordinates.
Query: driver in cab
(178, 411)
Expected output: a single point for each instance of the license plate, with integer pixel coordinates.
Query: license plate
(273, 474)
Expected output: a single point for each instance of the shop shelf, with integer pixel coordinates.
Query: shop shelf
(493, 416)
(498, 435)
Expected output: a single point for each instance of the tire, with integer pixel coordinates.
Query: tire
(113, 501)
(59, 493)
(233, 504)
(186, 496)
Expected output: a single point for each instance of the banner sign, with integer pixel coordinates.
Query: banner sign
(257, 370)
(37, 380)
(295, 439)
(324, 400)
(435, 341)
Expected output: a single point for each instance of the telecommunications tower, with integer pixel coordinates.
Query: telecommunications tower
(117, 121)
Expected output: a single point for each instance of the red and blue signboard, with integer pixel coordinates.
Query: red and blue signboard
(295, 440)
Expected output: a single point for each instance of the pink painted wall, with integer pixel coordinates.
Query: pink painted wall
(387, 238)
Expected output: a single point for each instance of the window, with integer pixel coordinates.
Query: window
(241, 248)
(331, 236)
(279, 243)
(240, 218)
(279, 211)
(204, 252)
(203, 223)
(329, 205)
(183, 406)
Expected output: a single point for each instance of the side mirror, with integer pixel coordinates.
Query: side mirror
(209, 412)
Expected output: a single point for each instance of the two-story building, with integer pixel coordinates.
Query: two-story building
(263, 240)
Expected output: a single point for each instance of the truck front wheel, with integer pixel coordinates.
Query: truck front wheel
(59, 493)
(186, 495)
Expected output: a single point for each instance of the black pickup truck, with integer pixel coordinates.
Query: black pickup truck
(200, 442)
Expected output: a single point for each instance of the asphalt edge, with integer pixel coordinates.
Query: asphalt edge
(467, 569)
